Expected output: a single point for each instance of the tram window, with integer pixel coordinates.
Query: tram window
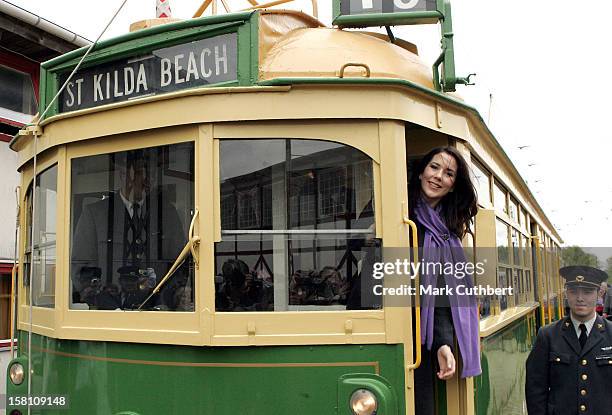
(542, 263)
(503, 251)
(44, 252)
(513, 209)
(130, 213)
(500, 200)
(468, 243)
(297, 221)
(518, 286)
(484, 306)
(516, 260)
(528, 283)
(483, 183)
(503, 281)
(526, 251)
(525, 221)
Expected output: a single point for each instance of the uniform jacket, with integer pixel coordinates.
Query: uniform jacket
(562, 379)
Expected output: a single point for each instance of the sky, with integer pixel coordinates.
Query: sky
(543, 62)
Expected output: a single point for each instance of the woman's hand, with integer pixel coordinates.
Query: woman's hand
(446, 361)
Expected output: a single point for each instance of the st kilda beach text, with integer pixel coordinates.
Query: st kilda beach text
(200, 63)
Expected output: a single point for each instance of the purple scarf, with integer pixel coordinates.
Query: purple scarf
(442, 246)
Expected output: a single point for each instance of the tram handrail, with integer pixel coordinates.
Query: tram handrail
(192, 238)
(417, 297)
(12, 311)
(356, 64)
(189, 248)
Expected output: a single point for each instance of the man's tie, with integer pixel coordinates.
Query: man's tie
(136, 212)
(583, 335)
(137, 235)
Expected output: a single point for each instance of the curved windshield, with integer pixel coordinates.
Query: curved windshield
(130, 213)
(40, 262)
(297, 219)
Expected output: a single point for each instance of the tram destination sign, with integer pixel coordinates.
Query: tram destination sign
(360, 13)
(199, 63)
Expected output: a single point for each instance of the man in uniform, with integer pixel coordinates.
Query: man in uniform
(569, 369)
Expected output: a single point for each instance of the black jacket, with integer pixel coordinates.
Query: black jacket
(562, 379)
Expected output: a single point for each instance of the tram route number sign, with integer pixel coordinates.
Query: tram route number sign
(359, 13)
(199, 63)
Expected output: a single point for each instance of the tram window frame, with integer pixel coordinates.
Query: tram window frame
(284, 297)
(505, 259)
(504, 280)
(49, 290)
(500, 192)
(527, 266)
(164, 174)
(513, 209)
(478, 168)
(517, 264)
(522, 267)
(515, 245)
(523, 218)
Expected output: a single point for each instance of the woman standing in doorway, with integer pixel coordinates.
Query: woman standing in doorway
(443, 205)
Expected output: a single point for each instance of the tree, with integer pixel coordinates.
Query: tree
(574, 255)
(609, 269)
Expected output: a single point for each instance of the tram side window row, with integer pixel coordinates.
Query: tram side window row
(130, 214)
(297, 219)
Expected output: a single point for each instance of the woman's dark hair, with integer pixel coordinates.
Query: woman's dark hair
(459, 206)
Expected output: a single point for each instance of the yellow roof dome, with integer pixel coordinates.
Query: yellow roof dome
(322, 52)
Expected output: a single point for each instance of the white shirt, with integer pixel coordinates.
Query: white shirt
(588, 324)
(130, 206)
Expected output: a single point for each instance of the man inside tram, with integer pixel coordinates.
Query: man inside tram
(125, 242)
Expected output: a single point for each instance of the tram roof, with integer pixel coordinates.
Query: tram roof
(282, 44)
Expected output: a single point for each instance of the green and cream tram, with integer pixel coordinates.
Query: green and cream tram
(205, 193)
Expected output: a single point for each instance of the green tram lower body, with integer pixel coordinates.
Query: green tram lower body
(114, 378)
(130, 378)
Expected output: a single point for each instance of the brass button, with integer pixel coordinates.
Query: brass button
(584, 362)
(582, 408)
(583, 392)
(558, 359)
(584, 377)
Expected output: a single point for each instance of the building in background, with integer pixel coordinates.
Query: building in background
(26, 40)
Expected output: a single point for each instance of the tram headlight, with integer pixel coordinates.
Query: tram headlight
(363, 402)
(17, 373)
